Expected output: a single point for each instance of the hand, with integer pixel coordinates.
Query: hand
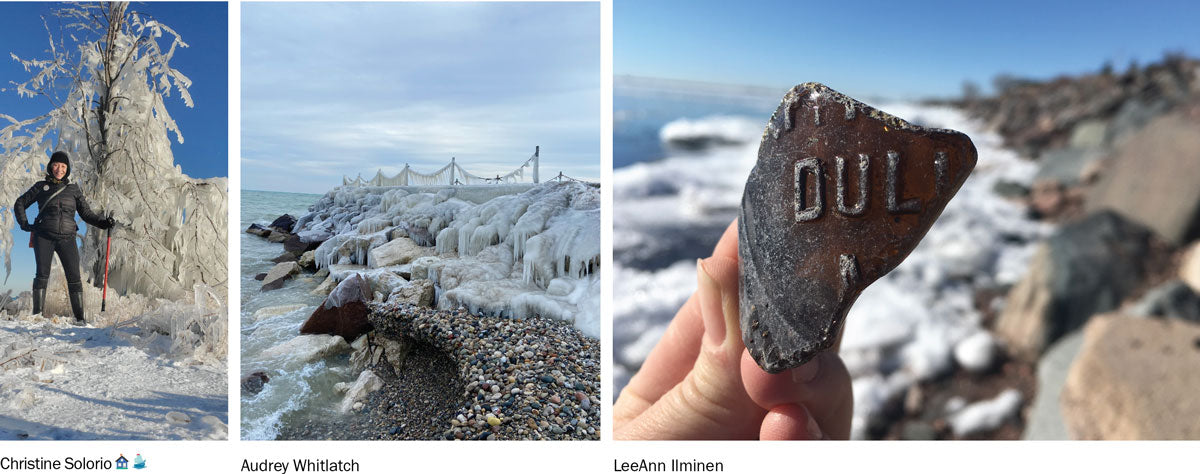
(108, 223)
(26, 227)
(699, 382)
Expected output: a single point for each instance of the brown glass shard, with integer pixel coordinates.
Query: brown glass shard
(840, 194)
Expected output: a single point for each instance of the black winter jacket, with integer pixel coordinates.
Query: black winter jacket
(56, 219)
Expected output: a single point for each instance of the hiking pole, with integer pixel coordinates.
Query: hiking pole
(107, 247)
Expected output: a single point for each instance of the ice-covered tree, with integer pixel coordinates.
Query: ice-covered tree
(107, 80)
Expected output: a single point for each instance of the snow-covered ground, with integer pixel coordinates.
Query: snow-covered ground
(143, 369)
(904, 328)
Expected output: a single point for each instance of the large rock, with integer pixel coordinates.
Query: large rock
(397, 252)
(1045, 420)
(253, 383)
(308, 261)
(419, 270)
(272, 311)
(1135, 378)
(285, 223)
(417, 293)
(374, 350)
(279, 274)
(285, 257)
(307, 348)
(366, 383)
(1088, 267)
(344, 312)
(1173, 299)
(1189, 267)
(258, 230)
(1152, 178)
(278, 237)
(298, 246)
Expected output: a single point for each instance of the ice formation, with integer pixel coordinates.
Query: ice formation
(516, 250)
(175, 234)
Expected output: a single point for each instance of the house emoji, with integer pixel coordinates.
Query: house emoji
(122, 463)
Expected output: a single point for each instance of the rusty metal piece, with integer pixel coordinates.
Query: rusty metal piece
(840, 195)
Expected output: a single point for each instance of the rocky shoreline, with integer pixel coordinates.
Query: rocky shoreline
(475, 378)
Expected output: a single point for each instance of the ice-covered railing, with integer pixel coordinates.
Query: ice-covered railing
(451, 174)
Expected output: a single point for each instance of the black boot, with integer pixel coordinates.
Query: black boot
(39, 300)
(77, 305)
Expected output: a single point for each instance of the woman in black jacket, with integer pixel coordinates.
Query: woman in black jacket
(54, 229)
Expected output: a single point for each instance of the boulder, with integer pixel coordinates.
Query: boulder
(279, 274)
(258, 230)
(417, 293)
(253, 383)
(1135, 378)
(1189, 267)
(419, 270)
(1045, 421)
(396, 252)
(285, 257)
(1152, 178)
(344, 312)
(272, 311)
(278, 237)
(1087, 267)
(285, 223)
(308, 261)
(308, 348)
(260, 276)
(366, 383)
(297, 245)
(1173, 299)
(374, 350)
(326, 286)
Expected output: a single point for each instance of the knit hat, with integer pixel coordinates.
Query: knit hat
(60, 157)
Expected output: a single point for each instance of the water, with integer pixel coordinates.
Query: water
(671, 205)
(296, 390)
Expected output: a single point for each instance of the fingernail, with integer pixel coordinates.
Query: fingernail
(808, 372)
(814, 431)
(709, 293)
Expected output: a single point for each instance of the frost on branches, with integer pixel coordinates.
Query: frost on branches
(108, 79)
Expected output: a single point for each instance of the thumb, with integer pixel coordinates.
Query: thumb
(710, 402)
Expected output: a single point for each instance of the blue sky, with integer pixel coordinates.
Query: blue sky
(333, 89)
(892, 49)
(205, 151)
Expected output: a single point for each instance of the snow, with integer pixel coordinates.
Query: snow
(903, 329)
(498, 248)
(976, 352)
(986, 415)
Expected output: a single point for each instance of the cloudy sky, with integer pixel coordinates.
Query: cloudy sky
(349, 88)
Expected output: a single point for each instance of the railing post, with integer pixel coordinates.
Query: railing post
(537, 149)
(452, 171)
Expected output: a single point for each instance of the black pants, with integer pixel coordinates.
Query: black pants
(43, 253)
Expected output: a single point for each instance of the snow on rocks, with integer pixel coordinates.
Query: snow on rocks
(495, 249)
(976, 352)
(396, 252)
(986, 415)
(344, 312)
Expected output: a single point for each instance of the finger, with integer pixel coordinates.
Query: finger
(790, 422)
(822, 385)
(675, 354)
(668, 363)
(709, 403)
